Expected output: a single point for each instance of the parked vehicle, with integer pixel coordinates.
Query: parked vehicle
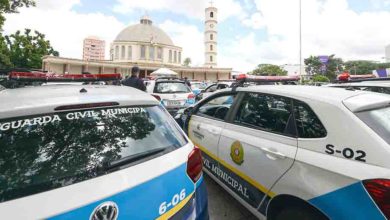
(297, 152)
(95, 152)
(173, 93)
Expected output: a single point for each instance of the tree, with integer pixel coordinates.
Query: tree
(320, 78)
(334, 67)
(12, 6)
(25, 50)
(313, 65)
(269, 70)
(187, 61)
(5, 61)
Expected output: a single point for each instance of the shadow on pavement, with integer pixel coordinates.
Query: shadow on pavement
(222, 205)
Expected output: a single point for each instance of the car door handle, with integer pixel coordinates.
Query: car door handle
(213, 131)
(273, 154)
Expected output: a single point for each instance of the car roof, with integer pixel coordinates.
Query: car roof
(304, 92)
(366, 83)
(169, 81)
(353, 100)
(43, 99)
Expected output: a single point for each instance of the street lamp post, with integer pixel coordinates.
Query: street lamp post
(300, 40)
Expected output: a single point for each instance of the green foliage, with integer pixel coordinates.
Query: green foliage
(313, 65)
(5, 61)
(187, 61)
(360, 67)
(320, 78)
(334, 66)
(12, 6)
(269, 70)
(24, 50)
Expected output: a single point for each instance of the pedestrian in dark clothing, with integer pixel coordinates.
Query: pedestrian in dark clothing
(134, 81)
(187, 82)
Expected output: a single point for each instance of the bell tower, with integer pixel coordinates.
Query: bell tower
(210, 36)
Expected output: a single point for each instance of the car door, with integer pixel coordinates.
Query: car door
(257, 147)
(206, 123)
(209, 90)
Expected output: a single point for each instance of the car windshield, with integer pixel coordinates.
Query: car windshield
(171, 87)
(378, 120)
(198, 85)
(48, 151)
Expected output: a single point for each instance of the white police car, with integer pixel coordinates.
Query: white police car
(298, 152)
(95, 152)
(173, 93)
(381, 86)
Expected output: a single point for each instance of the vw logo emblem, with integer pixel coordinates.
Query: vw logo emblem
(105, 211)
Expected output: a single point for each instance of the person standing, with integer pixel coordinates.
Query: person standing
(134, 81)
(187, 82)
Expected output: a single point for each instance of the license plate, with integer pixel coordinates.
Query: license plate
(173, 103)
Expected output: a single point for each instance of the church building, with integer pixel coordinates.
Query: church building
(150, 48)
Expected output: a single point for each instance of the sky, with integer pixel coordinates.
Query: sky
(250, 32)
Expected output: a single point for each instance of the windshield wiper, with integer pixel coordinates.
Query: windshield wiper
(132, 158)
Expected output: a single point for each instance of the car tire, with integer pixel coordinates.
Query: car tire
(294, 213)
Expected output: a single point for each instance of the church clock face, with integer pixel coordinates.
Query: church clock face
(211, 25)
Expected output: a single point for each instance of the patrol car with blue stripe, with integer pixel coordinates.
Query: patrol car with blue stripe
(95, 152)
(297, 152)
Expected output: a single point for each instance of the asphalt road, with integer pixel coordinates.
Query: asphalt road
(222, 205)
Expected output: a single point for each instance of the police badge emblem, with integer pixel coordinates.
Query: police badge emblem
(237, 153)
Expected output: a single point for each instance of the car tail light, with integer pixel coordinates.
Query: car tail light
(379, 189)
(191, 96)
(194, 164)
(157, 97)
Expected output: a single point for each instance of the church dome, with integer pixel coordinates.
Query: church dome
(144, 32)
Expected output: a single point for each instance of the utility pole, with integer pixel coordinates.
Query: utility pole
(300, 41)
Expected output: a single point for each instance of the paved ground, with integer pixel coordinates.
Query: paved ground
(222, 205)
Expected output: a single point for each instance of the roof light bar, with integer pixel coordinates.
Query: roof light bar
(252, 78)
(346, 77)
(49, 77)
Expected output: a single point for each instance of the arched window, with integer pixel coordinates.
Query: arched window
(116, 52)
(211, 58)
(170, 56)
(211, 14)
(143, 51)
(129, 52)
(123, 52)
(151, 53)
(159, 53)
(211, 47)
(211, 37)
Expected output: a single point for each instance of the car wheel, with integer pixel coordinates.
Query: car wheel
(293, 213)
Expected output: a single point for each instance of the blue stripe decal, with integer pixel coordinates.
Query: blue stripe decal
(142, 201)
(350, 202)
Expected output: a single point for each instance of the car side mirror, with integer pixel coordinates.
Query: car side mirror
(188, 110)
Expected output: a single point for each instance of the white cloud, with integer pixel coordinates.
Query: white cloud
(190, 8)
(329, 27)
(57, 5)
(64, 28)
(188, 37)
(255, 21)
(379, 4)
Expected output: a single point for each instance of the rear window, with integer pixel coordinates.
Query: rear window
(171, 87)
(378, 120)
(44, 152)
